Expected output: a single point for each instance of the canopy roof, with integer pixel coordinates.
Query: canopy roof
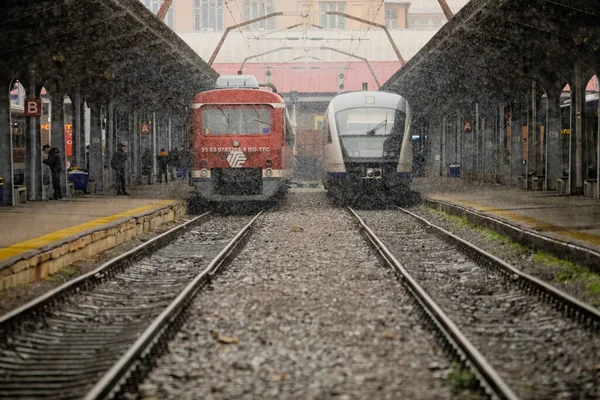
(105, 45)
(495, 48)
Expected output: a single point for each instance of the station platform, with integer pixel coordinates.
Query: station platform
(545, 220)
(39, 238)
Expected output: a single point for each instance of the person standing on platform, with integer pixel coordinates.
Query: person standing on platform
(174, 162)
(55, 164)
(163, 165)
(118, 164)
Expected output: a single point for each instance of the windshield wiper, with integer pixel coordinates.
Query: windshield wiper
(225, 115)
(379, 125)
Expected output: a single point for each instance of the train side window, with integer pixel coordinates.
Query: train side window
(327, 130)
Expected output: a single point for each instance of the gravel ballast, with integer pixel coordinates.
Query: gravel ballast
(539, 352)
(306, 311)
(527, 260)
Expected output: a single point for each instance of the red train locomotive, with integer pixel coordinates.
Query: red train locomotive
(243, 142)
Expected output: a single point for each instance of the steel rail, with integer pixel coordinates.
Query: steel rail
(129, 365)
(10, 320)
(528, 237)
(571, 306)
(489, 379)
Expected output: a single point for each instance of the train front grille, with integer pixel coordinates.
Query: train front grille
(237, 181)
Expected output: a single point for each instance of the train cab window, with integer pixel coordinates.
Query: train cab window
(220, 120)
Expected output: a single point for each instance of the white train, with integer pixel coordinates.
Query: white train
(367, 146)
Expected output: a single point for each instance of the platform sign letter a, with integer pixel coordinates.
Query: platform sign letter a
(467, 125)
(145, 129)
(33, 108)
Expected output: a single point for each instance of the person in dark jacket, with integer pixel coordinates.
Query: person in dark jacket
(163, 164)
(118, 164)
(55, 164)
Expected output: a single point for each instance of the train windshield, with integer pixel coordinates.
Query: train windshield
(235, 120)
(371, 132)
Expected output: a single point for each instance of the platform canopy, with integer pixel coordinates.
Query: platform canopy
(107, 46)
(497, 47)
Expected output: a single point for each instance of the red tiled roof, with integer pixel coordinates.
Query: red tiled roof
(316, 77)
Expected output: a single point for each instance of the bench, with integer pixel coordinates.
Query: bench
(562, 185)
(20, 193)
(537, 182)
(589, 187)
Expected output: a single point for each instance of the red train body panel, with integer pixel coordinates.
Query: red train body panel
(243, 145)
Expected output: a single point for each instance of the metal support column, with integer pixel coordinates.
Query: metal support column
(598, 140)
(169, 130)
(96, 152)
(34, 174)
(6, 158)
(154, 152)
(135, 148)
(459, 141)
(553, 127)
(57, 129)
(533, 132)
(443, 148)
(110, 137)
(488, 153)
(576, 136)
(78, 129)
(519, 124)
(475, 143)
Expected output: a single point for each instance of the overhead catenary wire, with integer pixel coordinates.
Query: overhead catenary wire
(367, 31)
(226, 2)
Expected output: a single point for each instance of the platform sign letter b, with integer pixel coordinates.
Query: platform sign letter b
(33, 108)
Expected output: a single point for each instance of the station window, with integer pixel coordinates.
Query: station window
(258, 8)
(208, 15)
(154, 6)
(333, 21)
(391, 18)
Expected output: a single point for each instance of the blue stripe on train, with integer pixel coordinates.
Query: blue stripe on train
(336, 175)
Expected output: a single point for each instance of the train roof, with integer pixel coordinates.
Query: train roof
(237, 96)
(368, 99)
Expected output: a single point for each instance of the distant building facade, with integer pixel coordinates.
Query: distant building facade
(217, 15)
(428, 14)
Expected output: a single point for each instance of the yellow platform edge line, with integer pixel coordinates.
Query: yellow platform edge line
(529, 221)
(28, 245)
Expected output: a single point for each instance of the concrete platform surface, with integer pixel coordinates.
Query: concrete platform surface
(36, 224)
(573, 219)
(37, 239)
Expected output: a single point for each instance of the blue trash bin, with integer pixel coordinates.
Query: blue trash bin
(80, 180)
(454, 170)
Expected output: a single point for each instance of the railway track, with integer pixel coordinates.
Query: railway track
(93, 335)
(520, 336)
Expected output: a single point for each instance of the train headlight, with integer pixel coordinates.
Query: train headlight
(385, 153)
(372, 173)
(203, 163)
(268, 172)
(204, 173)
(356, 154)
(269, 163)
(236, 143)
